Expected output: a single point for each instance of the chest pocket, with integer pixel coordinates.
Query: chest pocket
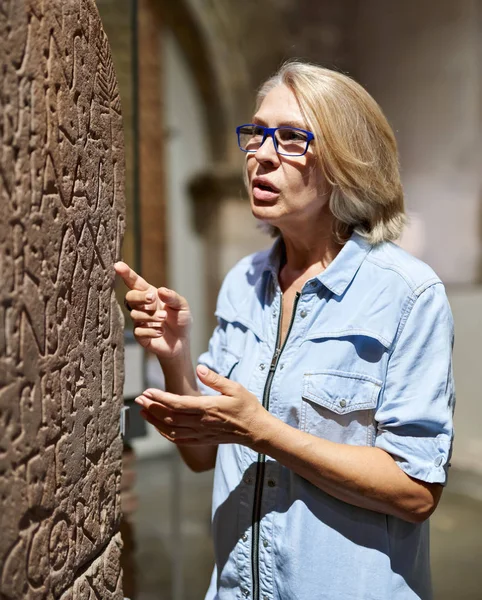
(340, 406)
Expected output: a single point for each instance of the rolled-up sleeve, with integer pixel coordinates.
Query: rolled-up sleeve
(415, 415)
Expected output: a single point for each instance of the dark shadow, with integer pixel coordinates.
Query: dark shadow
(367, 348)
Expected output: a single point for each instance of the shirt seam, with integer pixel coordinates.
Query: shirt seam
(414, 288)
(408, 311)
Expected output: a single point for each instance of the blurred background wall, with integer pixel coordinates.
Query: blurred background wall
(188, 71)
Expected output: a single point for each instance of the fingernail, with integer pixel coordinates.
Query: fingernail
(202, 370)
(147, 394)
(149, 297)
(139, 400)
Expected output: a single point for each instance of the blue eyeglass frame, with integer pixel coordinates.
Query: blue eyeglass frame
(271, 132)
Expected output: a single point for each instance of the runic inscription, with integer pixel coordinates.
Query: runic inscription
(61, 352)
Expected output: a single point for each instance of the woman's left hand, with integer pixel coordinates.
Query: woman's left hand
(234, 417)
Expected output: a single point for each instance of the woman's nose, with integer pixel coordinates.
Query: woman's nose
(267, 151)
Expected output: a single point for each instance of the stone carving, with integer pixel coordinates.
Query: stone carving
(101, 579)
(61, 349)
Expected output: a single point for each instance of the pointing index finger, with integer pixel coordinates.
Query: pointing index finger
(132, 280)
(175, 402)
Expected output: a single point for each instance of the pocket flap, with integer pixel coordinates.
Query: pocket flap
(340, 391)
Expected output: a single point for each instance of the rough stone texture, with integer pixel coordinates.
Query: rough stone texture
(61, 352)
(101, 578)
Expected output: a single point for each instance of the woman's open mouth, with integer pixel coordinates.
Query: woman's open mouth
(265, 191)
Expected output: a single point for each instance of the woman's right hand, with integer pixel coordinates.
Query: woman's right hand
(161, 317)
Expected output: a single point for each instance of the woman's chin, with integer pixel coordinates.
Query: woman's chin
(264, 216)
(263, 210)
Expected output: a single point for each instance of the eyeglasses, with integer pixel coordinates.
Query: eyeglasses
(288, 141)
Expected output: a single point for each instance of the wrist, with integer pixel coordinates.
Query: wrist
(179, 375)
(265, 428)
(179, 356)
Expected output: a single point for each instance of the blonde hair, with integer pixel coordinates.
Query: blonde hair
(356, 149)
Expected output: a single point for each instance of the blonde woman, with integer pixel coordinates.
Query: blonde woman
(325, 399)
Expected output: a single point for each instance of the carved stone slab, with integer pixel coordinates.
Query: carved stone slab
(61, 349)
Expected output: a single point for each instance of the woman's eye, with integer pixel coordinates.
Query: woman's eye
(288, 135)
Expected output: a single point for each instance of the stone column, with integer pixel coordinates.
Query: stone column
(61, 340)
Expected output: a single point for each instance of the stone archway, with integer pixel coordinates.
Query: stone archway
(194, 39)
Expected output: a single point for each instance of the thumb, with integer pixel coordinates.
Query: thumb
(214, 380)
(172, 299)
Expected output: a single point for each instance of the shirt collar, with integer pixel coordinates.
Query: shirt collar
(339, 273)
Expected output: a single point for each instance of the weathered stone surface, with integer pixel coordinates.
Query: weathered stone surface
(61, 352)
(101, 578)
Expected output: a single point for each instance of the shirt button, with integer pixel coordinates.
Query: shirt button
(262, 367)
(244, 537)
(245, 593)
(282, 366)
(265, 543)
(265, 597)
(248, 479)
(271, 482)
(303, 313)
(343, 403)
(313, 283)
(438, 461)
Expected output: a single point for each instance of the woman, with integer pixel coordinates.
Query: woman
(330, 423)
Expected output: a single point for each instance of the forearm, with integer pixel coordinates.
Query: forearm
(180, 379)
(179, 374)
(367, 477)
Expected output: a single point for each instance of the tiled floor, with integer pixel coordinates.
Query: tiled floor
(456, 537)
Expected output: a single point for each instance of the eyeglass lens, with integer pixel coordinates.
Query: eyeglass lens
(290, 141)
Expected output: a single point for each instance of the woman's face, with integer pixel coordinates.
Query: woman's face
(299, 194)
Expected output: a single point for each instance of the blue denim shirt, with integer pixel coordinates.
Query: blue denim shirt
(367, 362)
